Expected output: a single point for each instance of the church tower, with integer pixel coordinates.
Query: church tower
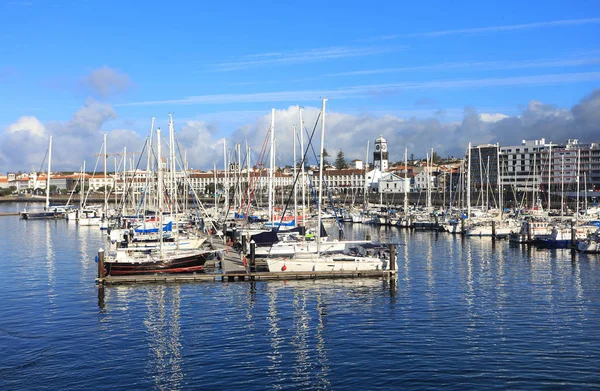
(380, 156)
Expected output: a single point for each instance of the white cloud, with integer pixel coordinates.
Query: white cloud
(492, 117)
(105, 82)
(81, 137)
(27, 124)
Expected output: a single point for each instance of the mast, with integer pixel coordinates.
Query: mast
(160, 193)
(302, 168)
(562, 185)
(82, 188)
(226, 179)
(549, 174)
(248, 178)
(271, 165)
(578, 172)
(469, 181)
(173, 168)
(148, 166)
(124, 180)
(405, 180)
(498, 181)
(321, 176)
(365, 193)
(215, 188)
(105, 184)
(48, 174)
(295, 188)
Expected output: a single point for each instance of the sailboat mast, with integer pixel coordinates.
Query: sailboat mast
(405, 181)
(498, 181)
(295, 171)
(549, 173)
(105, 184)
(302, 168)
(365, 194)
(48, 174)
(469, 181)
(321, 176)
(82, 188)
(226, 178)
(148, 165)
(271, 165)
(578, 173)
(562, 185)
(159, 192)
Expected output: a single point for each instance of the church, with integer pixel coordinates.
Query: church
(379, 180)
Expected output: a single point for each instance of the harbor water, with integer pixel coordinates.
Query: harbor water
(462, 314)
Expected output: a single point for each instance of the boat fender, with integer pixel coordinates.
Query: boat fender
(283, 268)
(96, 259)
(226, 250)
(244, 261)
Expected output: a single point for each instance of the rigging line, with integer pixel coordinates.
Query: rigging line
(298, 174)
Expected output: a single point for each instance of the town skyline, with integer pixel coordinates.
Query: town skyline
(424, 77)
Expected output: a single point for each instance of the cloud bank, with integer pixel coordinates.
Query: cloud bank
(23, 143)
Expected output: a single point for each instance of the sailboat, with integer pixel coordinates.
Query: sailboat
(317, 261)
(141, 260)
(48, 212)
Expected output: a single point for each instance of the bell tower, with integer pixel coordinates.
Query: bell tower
(380, 156)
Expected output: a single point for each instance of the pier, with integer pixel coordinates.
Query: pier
(232, 269)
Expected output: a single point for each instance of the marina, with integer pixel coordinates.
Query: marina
(508, 311)
(299, 196)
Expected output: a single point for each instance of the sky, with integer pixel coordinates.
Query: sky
(427, 74)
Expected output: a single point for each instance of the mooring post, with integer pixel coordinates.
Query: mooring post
(493, 229)
(101, 265)
(462, 226)
(244, 245)
(340, 234)
(529, 231)
(252, 256)
(392, 257)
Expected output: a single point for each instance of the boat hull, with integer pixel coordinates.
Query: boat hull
(170, 265)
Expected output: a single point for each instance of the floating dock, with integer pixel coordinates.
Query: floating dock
(257, 276)
(232, 269)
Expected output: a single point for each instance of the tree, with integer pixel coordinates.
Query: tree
(340, 161)
(412, 157)
(325, 156)
(435, 158)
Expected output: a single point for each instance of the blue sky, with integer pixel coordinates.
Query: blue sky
(225, 64)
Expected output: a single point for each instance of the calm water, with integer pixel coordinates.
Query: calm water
(462, 314)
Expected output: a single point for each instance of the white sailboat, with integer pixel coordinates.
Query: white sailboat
(317, 261)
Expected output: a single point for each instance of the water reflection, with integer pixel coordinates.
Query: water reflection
(163, 329)
(50, 260)
(275, 356)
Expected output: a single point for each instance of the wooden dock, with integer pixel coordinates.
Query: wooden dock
(9, 214)
(231, 268)
(257, 276)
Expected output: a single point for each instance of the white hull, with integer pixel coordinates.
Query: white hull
(589, 246)
(333, 263)
(89, 221)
